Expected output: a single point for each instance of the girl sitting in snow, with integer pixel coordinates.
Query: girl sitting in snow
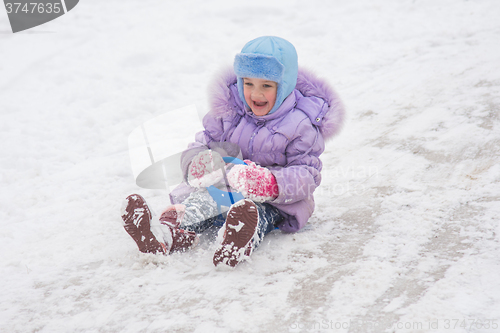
(278, 118)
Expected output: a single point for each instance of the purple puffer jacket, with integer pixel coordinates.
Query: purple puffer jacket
(288, 142)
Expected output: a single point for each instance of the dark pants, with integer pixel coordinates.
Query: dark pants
(202, 213)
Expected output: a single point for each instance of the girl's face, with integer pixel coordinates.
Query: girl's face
(260, 95)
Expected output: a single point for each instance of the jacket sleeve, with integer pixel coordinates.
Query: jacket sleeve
(202, 142)
(210, 138)
(301, 176)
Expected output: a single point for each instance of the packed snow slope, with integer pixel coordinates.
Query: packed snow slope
(405, 236)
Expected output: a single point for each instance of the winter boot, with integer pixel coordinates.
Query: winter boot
(137, 218)
(151, 235)
(239, 230)
(181, 239)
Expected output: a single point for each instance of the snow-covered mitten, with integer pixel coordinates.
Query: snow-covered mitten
(253, 181)
(205, 169)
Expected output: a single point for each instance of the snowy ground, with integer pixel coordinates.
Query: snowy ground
(405, 237)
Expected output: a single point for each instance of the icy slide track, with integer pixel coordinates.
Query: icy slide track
(405, 237)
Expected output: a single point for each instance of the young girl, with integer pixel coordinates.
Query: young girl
(275, 117)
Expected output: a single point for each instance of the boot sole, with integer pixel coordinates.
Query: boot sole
(136, 218)
(240, 227)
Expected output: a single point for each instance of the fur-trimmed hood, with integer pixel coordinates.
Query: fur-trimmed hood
(224, 102)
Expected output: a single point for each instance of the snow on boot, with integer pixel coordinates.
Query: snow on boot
(181, 239)
(240, 229)
(137, 218)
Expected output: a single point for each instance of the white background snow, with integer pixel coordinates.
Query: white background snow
(405, 236)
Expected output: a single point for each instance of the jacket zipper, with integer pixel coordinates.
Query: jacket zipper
(260, 124)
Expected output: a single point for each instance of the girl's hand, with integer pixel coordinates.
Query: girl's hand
(253, 181)
(205, 169)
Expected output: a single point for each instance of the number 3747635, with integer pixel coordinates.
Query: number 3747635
(33, 7)
(485, 324)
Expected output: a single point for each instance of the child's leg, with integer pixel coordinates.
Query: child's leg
(201, 212)
(269, 217)
(246, 225)
(153, 235)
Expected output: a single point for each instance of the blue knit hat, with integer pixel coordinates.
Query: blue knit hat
(270, 58)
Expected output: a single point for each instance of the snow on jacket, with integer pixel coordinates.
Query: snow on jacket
(288, 142)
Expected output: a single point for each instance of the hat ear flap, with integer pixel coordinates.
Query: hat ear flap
(239, 83)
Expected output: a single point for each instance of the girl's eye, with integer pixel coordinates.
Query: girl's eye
(248, 84)
(267, 86)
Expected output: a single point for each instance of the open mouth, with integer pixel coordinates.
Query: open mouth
(259, 104)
